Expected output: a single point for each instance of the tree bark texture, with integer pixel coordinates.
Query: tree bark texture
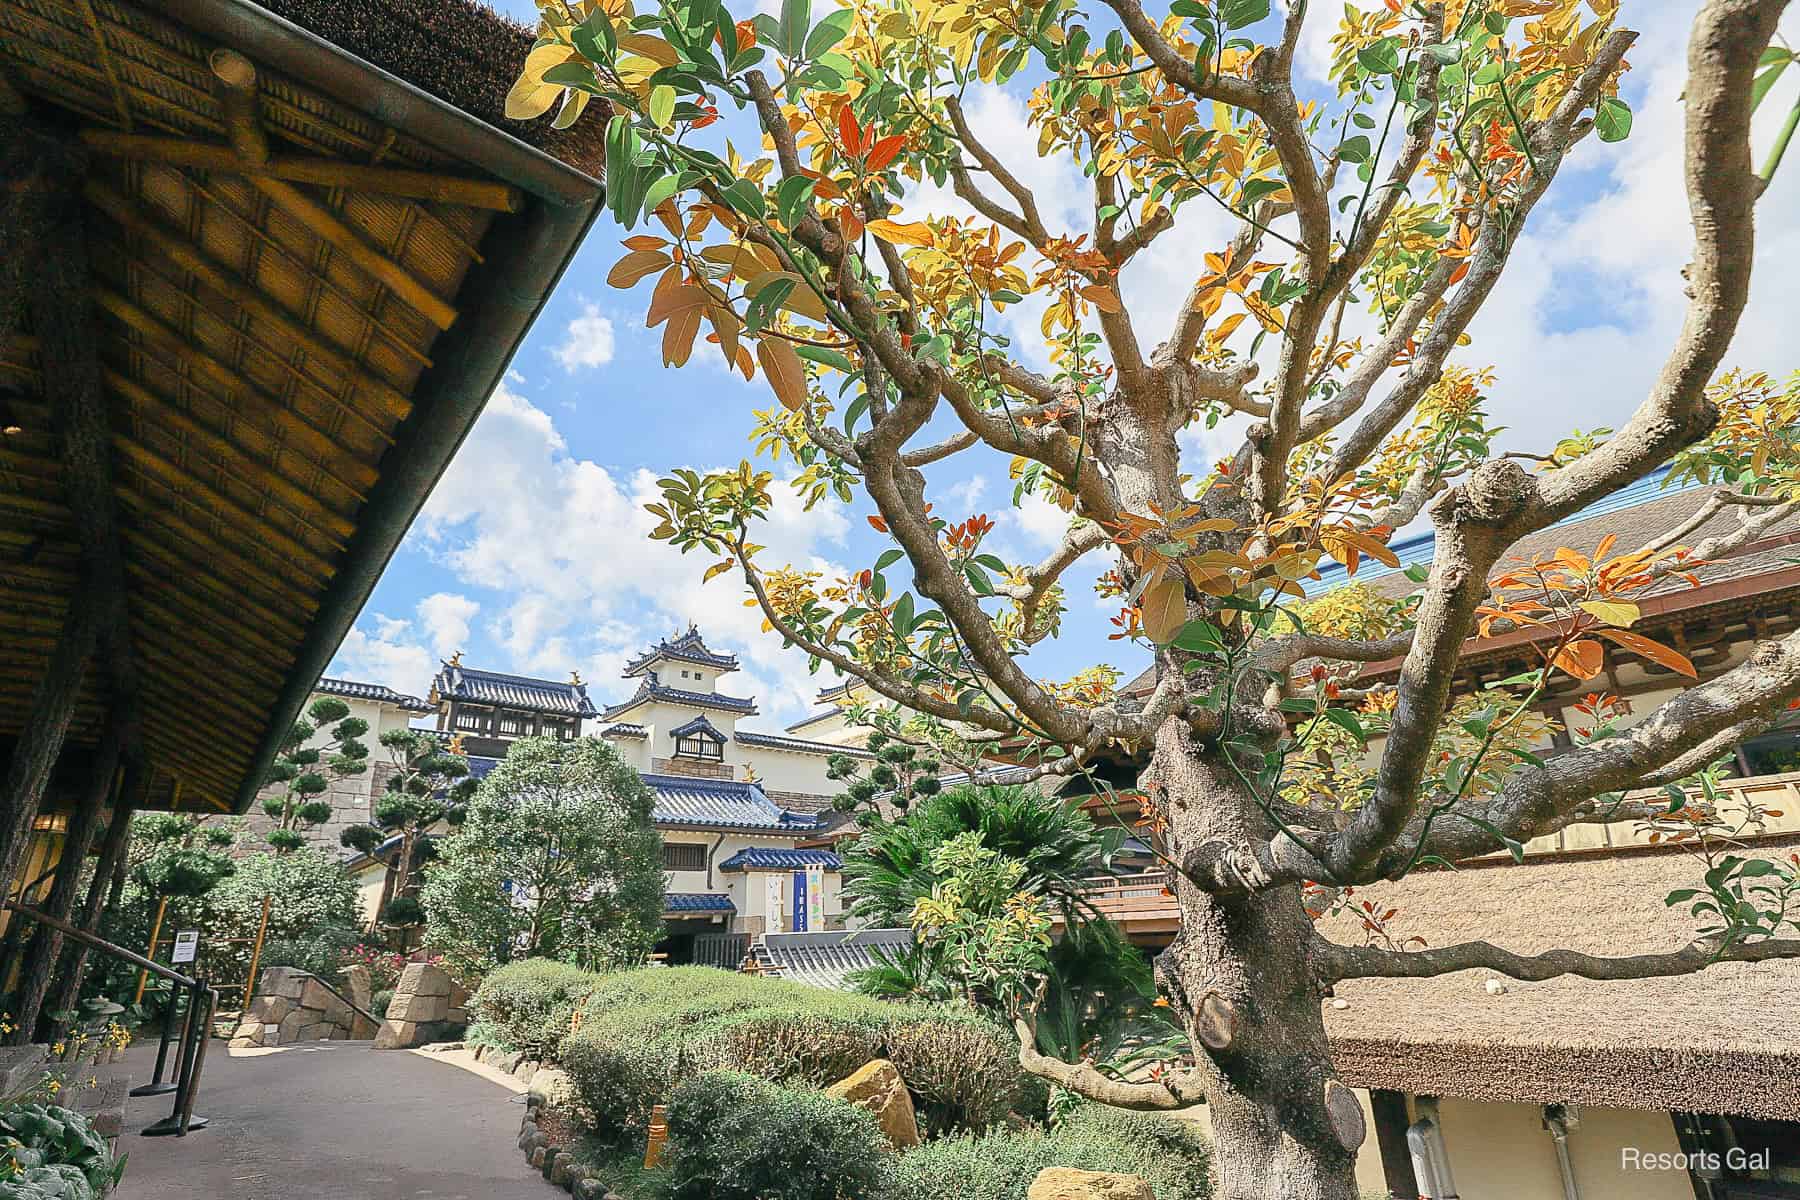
(103, 893)
(1266, 1086)
(40, 954)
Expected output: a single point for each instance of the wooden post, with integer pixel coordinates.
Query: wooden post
(262, 927)
(235, 76)
(46, 941)
(41, 741)
(1391, 1120)
(162, 906)
(112, 859)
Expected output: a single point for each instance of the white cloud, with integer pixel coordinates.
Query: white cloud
(446, 618)
(567, 543)
(589, 342)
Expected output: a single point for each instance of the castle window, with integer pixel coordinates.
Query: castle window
(512, 724)
(684, 856)
(699, 747)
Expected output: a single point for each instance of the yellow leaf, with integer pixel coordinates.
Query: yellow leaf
(914, 233)
(530, 96)
(1102, 298)
(1583, 659)
(782, 366)
(1164, 609)
(1614, 612)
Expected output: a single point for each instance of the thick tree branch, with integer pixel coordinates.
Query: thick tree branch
(1363, 962)
(1729, 36)
(1279, 654)
(1030, 225)
(1178, 1091)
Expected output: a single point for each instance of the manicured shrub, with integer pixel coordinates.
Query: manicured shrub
(1168, 1153)
(379, 1001)
(528, 1005)
(736, 1137)
(643, 1032)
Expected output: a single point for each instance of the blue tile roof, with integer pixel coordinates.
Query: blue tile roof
(722, 804)
(765, 858)
(689, 647)
(699, 727)
(1418, 548)
(351, 689)
(457, 682)
(775, 741)
(697, 902)
(649, 688)
(480, 766)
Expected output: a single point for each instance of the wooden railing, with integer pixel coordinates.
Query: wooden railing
(1142, 905)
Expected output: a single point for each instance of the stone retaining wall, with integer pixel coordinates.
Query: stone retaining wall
(428, 1006)
(292, 1005)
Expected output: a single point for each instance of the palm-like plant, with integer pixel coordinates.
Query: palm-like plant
(888, 869)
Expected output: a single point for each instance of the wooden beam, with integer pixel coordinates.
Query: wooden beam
(62, 310)
(370, 259)
(46, 725)
(46, 942)
(234, 82)
(113, 848)
(321, 172)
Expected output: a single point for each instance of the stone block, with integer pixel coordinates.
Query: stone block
(423, 979)
(877, 1087)
(525, 1072)
(290, 1027)
(396, 1035)
(590, 1189)
(363, 1029)
(1068, 1183)
(559, 1174)
(271, 1009)
(536, 1159)
(553, 1087)
(283, 981)
(314, 994)
(551, 1156)
(418, 1007)
(357, 986)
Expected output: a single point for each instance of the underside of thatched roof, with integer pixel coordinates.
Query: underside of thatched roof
(1725, 1040)
(304, 263)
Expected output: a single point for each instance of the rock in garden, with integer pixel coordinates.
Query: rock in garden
(1067, 1183)
(877, 1087)
(552, 1087)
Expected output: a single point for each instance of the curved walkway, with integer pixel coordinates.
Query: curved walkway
(331, 1121)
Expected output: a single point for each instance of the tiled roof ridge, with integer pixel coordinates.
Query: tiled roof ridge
(356, 689)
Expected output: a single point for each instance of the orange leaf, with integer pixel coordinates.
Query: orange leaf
(877, 524)
(678, 338)
(673, 294)
(913, 233)
(1102, 298)
(1164, 609)
(634, 266)
(644, 241)
(849, 131)
(1583, 659)
(782, 366)
(1655, 651)
(886, 150)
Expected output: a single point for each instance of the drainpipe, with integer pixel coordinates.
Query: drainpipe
(1558, 1121)
(1430, 1157)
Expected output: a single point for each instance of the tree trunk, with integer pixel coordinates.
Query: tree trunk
(1240, 974)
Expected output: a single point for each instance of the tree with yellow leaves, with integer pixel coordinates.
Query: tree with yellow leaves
(1404, 197)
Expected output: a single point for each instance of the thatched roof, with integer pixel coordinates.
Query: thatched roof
(1725, 1040)
(309, 261)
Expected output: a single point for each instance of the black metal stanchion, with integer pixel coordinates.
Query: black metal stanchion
(158, 1086)
(181, 1118)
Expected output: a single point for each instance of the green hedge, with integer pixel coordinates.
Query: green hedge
(1168, 1153)
(737, 1137)
(528, 1005)
(644, 1032)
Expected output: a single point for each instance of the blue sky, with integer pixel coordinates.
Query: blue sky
(532, 556)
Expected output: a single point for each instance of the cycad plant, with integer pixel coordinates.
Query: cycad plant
(305, 771)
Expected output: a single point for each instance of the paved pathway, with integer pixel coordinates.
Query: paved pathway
(331, 1121)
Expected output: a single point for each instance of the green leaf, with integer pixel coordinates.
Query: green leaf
(1199, 637)
(746, 198)
(829, 32)
(1612, 119)
(1513, 847)
(1346, 720)
(1444, 52)
(796, 17)
(1239, 13)
(903, 615)
(1766, 80)
(659, 191)
(889, 558)
(1380, 58)
(662, 105)
(1355, 149)
(825, 357)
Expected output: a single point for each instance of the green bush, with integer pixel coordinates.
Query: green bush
(56, 1153)
(378, 1003)
(527, 1005)
(737, 1137)
(320, 950)
(1169, 1154)
(643, 1032)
